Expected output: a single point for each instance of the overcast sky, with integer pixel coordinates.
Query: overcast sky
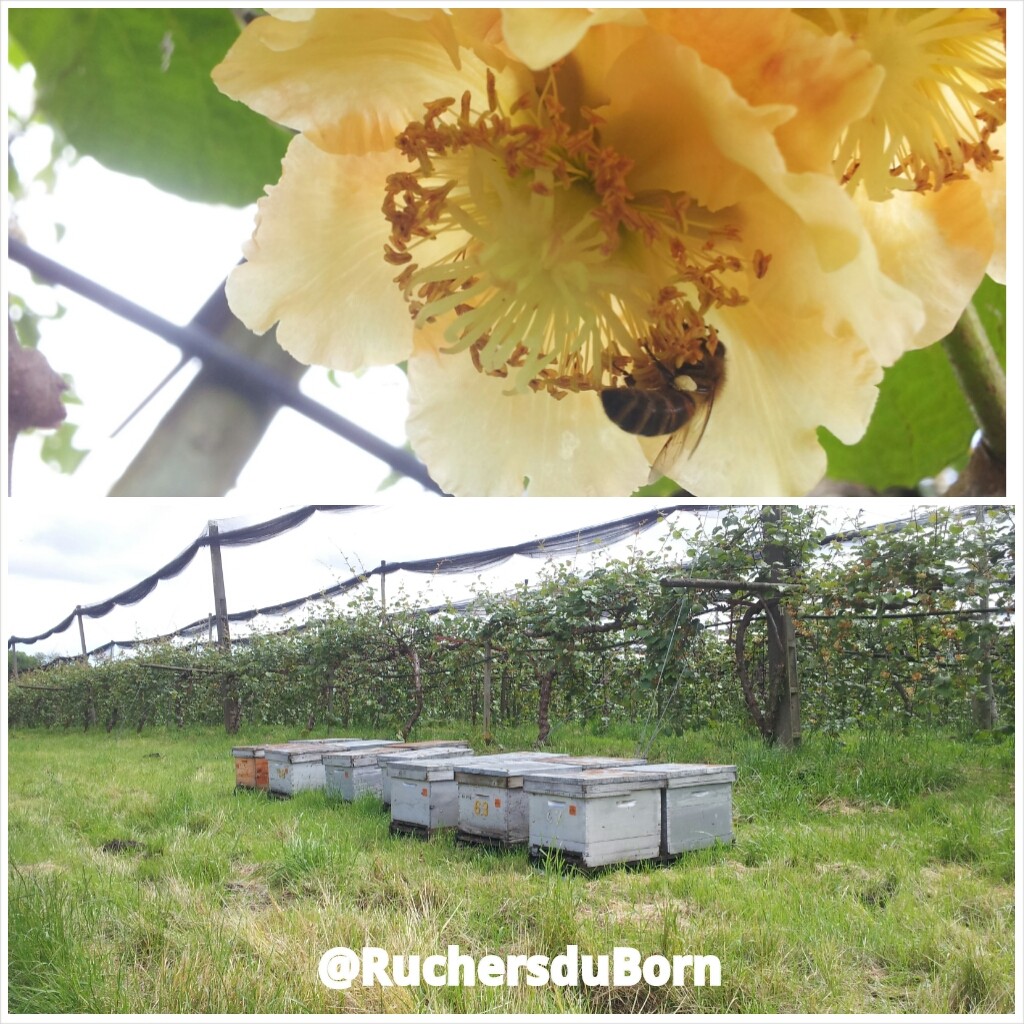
(59, 556)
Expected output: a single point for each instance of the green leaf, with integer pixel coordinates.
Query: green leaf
(15, 54)
(131, 87)
(59, 450)
(663, 488)
(922, 422)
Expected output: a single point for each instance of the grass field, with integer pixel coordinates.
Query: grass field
(870, 874)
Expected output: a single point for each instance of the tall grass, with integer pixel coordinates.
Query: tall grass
(871, 873)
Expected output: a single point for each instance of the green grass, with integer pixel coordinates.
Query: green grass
(871, 874)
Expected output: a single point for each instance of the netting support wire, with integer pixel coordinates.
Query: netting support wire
(696, 584)
(239, 369)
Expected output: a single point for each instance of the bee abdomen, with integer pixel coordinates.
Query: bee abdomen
(647, 413)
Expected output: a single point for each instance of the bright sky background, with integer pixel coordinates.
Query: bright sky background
(60, 557)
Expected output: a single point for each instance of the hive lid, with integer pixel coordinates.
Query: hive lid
(508, 772)
(677, 775)
(359, 757)
(434, 769)
(599, 761)
(429, 744)
(592, 782)
(433, 753)
(246, 751)
(313, 750)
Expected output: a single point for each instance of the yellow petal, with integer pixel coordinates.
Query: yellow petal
(291, 13)
(716, 147)
(316, 263)
(352, 79)
(783, 381)
(478, 441)
(773, 56)
(935, 244)
(541, 36)
(857, 298)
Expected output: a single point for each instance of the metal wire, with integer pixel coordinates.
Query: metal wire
(241, 370)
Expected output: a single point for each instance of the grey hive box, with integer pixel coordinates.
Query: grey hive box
(294, 767)
(392, 757)
(493, 807)
(597, 816)
(351, 773)
(424, 794)
(696, 805)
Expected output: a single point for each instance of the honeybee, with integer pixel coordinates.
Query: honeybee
(684, 399)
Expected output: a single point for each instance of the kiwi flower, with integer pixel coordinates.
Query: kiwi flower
(553, 213)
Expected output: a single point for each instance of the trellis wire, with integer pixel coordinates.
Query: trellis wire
(240, 369)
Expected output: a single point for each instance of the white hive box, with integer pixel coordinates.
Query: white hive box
(597, 816)
(494, 809)
(351, 773)
(300, 766)
(696, 805)
(392, 757)
(424, 794)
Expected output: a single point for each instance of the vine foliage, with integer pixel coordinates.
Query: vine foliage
(892, 626)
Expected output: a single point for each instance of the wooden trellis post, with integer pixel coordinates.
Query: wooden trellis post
(783, 678)
(487, 689)
(81, 632)
(232, 712)
(784, 717)
(220, 601)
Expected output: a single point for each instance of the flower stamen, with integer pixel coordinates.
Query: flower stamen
(520, 230)
(942, 97)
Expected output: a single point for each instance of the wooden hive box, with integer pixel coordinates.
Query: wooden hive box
(696, 805)
(250, 768)
(597, 816)
(294, 767)
(354, 772)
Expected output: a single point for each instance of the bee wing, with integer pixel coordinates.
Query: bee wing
(683, 443)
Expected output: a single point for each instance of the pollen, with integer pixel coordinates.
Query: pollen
(517, 230)
(942, 97)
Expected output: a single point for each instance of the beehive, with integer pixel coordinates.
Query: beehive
(424, 794)
(597, 816)
(251, 763)
(351, 773)
(389, 758)
(493, 808)
(298, 766)
(250, 767)
(696, 805)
